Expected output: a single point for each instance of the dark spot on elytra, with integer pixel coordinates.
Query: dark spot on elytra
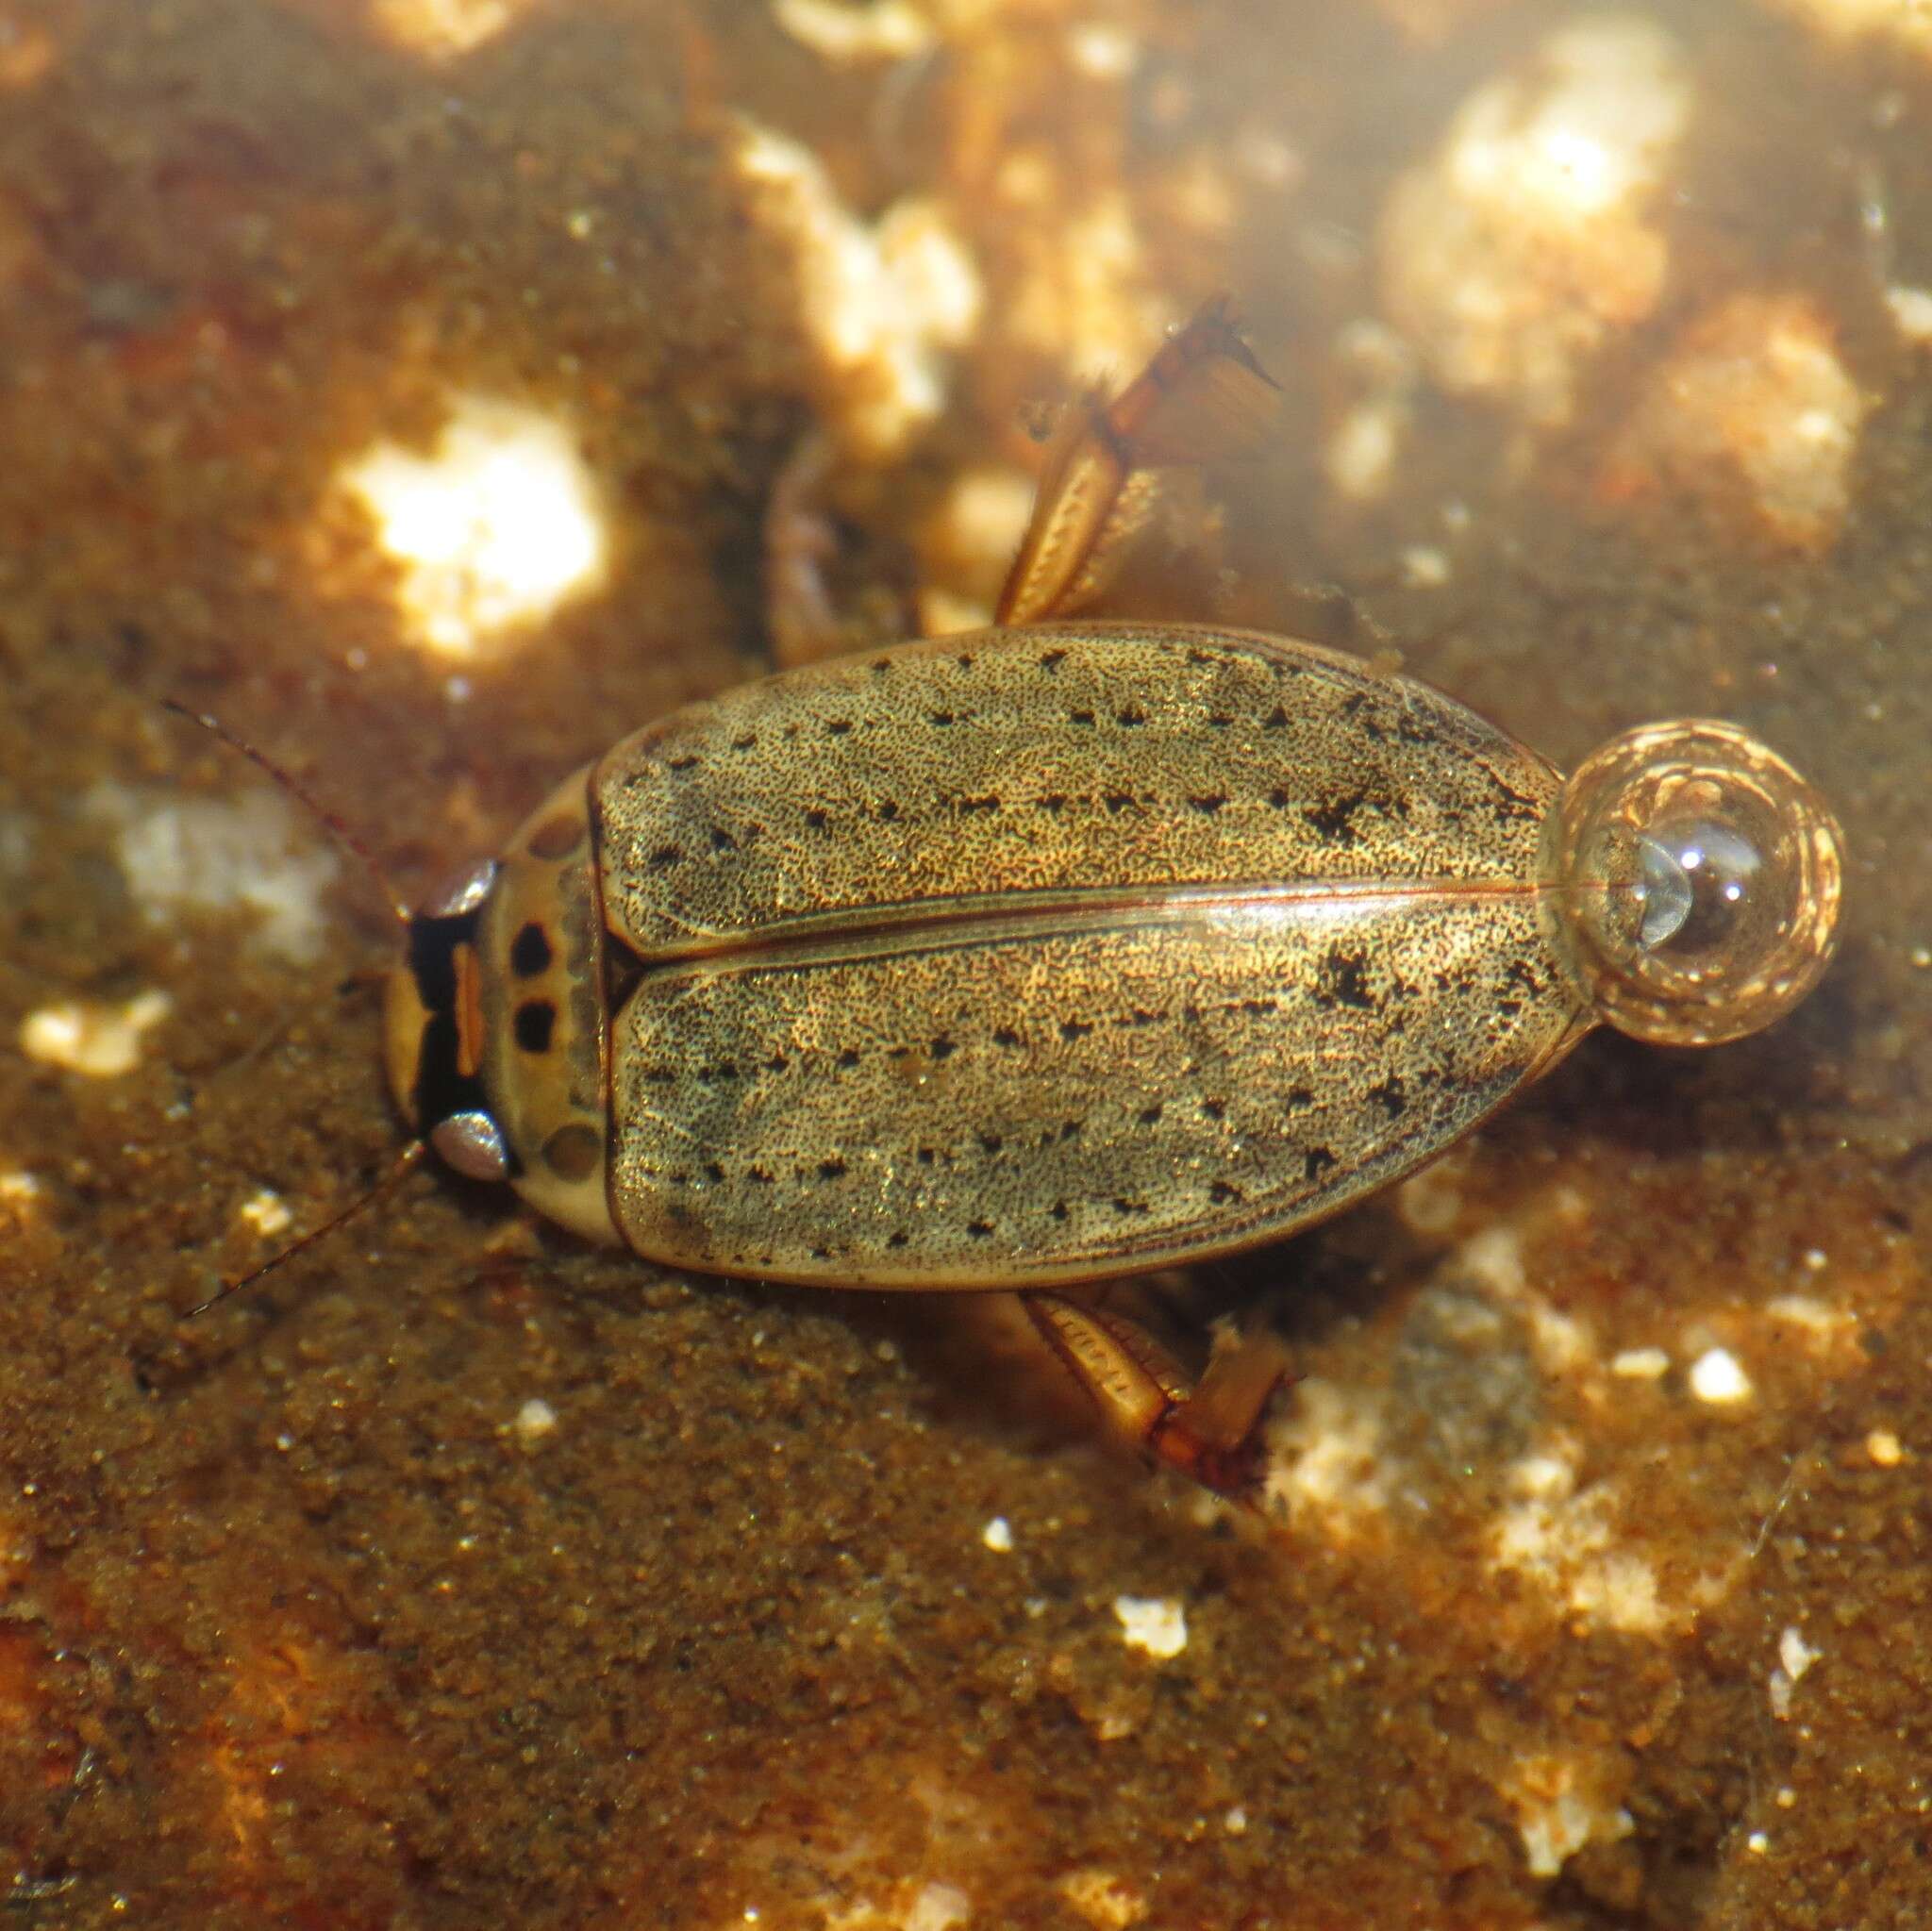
(1222, 1191)
(1125, 1207)
(900, 1239)
(1331, 820)
(926, 1157)
(1071, 1029)
(757, 1176)
(688, 762)
(529, 952)
(939, 717)
(943, 1048)
(816, 819)
(1258, 1009)
(664, 857)
(1052, 660)
(1214, 1110)
(1276, 720)
(776, 1063)
(1317, 1163)
(967, 805)
(1131, 715)
(1053, 803)
(886, 812)
(848, 1058)
(1058, 1210)
(534, 1022)
(964, 661)
(992, 1142)
(1005, 1036)
(1219, 720)
(1208, 806)
(831, 1170)
(980, 1230)
(1150, 1116)
(747, 742)
(1343, 980)
(1118, 802)
(1389, 1097)
(1080, 717)
(838, 727)
(713, 1172)
(721, 839)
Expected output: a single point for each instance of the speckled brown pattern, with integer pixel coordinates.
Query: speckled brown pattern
(1046, 954)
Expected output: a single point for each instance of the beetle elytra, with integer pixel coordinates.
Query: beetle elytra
(1058, 950)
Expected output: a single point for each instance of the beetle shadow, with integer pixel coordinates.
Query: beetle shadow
(1748, 1097)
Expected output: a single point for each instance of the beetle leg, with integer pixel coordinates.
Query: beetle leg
(1202, 395)
(1211, 1433)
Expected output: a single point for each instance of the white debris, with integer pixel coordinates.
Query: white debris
(535, 1420)
(1562, 1539)
(1818, 1319)
(1717, 1378)
(1754, 392)
(1494, 1261)
(84, 1035)
(1108, 1902)
(208, 854)
(1560, 1806)
(1155, 1624)
(938, 1907)
(1424, 566)
(1907, 22)
(18, 1188)
(443, 30)
(1102, 50)
(1640, 1364)
(1911, 313)
(1326, 1458)
(1795, 1657)
(882, 302)
(879, 30)
(1362, 449)
(998, 1535)
(495, 529)
(1884, 1448)
(265, 1212)
(1513, 255)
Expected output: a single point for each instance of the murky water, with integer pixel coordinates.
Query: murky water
(436, 391)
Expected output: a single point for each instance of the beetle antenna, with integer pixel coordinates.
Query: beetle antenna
(323, 816)
(401, 1168)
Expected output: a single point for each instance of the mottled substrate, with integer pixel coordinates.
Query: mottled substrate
(462, 1577)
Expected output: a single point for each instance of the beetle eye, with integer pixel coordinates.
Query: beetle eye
(472, 1144)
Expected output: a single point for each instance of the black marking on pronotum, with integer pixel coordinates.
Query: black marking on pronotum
(533, 1023)
(529, 952)
(441, 1090)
